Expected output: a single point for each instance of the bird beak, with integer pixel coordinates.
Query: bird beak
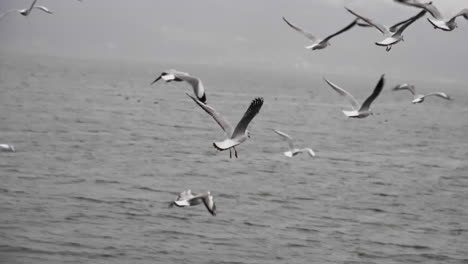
(157, 79)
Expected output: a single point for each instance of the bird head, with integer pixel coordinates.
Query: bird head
(12, 148)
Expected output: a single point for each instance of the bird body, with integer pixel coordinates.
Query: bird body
(7, 148)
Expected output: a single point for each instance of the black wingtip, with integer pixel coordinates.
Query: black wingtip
(216, 147)
(157, 79)
(203, 98)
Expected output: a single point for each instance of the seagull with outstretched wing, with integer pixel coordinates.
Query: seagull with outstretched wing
(237, 135)
(293, 151)
(318, 43)
(359, 111)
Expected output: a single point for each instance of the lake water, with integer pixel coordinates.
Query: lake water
(100, 153)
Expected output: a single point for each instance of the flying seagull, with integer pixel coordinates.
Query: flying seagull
(359, 111)
(237, 135)
(419, 98)
(316, 42)
(438, 21)
(178, 76)
(293, 151)
(7, 148)
(27, 11)
(391, 38)
(186, 198)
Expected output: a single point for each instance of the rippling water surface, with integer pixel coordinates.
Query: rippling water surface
(100, 153)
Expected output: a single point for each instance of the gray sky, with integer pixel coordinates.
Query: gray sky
(240, 33)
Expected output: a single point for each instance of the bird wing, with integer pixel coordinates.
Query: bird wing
(43, 8)
(439, 94)
(32, 6)
(222, 122)
(300, 30)
(209, 203)
(429, 7)
(285, 137)
(394, 28)
(251, 112)
(196, 83)
(404, 26)
(348, 27)
(157, 79)
(383, 29)
(463, 13)
(308, 150)
(344, 93)
(405, 86)
(366, 105)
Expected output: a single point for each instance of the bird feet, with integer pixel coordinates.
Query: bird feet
(388, 48)
(230, 153)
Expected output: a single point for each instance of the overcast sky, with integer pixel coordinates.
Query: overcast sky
(240, 33)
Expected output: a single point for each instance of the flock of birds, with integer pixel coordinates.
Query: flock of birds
(239, 134)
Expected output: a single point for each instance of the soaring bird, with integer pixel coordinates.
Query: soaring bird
(7, 148)
(437, 20)
(359, 111)
(237, 135)
(293, 151)
(318, 43)
(178, 76)
(391, 38)
(27, 11)
(186, 198)
(419, 98)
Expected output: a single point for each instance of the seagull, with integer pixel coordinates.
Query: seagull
(359, 111)
(237, 135)
(178, 76)
(316, 42)
(26, 12)
(293, 151)
(438, 21)
(391, 38)
(7, 148)
(186, 198)
(419, 98)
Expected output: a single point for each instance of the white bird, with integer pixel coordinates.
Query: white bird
(316, 42)
(359, 111)
(7, 148)
(186, 198)
(178, 76)
(391, 38)
(27, 11)
(237, 135)
(419, 98)
(293, 151)
(438, 20)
